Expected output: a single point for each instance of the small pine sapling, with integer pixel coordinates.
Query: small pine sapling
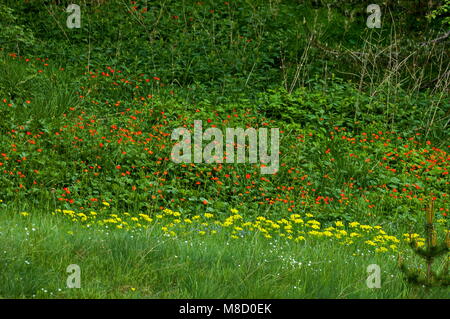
(429, 253)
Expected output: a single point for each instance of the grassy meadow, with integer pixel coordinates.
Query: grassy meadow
(87, 177)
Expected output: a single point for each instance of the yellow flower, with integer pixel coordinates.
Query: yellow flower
(208, 215)
(381, 250)
(24, 214)
(411, 235)
(366, 227)
(276, 226)
(106, 204)
(339, 224)
(391, 238)
(371, 243)
(144, 216)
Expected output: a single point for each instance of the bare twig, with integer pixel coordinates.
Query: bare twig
(439, 39)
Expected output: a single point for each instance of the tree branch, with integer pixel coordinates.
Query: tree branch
(439, 39)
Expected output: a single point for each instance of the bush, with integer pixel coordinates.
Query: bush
(13, 35)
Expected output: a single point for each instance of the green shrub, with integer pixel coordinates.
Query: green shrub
(13, 35)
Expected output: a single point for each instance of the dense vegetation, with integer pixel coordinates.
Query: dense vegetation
(86, 175)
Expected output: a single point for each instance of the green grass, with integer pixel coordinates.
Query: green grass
(36, 250)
